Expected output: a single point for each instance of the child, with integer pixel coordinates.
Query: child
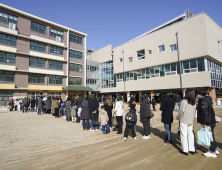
(131, 120)
(103, 118)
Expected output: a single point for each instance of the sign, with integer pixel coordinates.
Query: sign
(29, 97)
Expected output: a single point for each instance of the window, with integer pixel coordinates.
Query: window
(55, 79)
(201, 66)
(92, 81)
(130, 59)
(161, 48)
(129, 76)
(7, 76)
(141, 55)
(75, 67)
(58, 65)
(171, 69)
(36, 62)
(120, 60)
(7, 58)
(190, 66)
(38, 28)
(4, 95)
(55, 33)
(92, 68)
(7, 40)
(36, 46)
(54, 94)
(75, 54)
(173, 47)
(88, 68)
(75, 39)
(141, 74)
(119, 77)
(75, 81)
(37, 78)
(150, 51)
(6, 18)
(155, 72)
(56, 50)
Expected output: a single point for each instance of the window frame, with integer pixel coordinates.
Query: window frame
(75, 67)
(142, 57)
(36, 78)
(8, 20)
(161, 48)
(75, 54)
(131, 59)
(76, 39)
(56, 34)
(38, 45)
(55, 78)
(5, 57)
(38, 27)
(56, 50)
(37, 62)
(7, 39)
(75, 82)
(57, 64)
(120, 60)
(8, 76)
(149, 52)
(173, 47)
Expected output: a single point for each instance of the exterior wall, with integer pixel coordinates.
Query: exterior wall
(22, 62)
(21, 80)
(119, 88)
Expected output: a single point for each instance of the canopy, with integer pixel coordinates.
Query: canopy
(83, 88)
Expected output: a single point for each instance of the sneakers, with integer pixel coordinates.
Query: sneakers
(209, 154)
(146, 137)
(92, 130)
(96, 129)
(217, 152)
(135, 138)
(124, 138)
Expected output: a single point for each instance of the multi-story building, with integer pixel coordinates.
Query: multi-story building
(185, 52)
(39, 57)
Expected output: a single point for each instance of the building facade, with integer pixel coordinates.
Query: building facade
(39, 57)
(182, 53)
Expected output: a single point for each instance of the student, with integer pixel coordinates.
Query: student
(103, 118)
(119, 113)
(154, 103)
(108, 108)
(130, 125)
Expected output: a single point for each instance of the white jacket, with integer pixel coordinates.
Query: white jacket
(119, 108)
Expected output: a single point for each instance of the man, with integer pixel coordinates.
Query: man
(177, 100)
(167, 107)
(78, 103)
(24, 104)
(32, 104)
(154, 103)
(40, 101)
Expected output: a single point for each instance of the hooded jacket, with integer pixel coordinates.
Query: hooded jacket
(144, 109)
(103, 117)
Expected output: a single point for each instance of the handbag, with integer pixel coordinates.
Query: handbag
(95, 122)
(218, 119)
(152, 115)
(204, 136)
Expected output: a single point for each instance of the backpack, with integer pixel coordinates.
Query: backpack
(130, 117)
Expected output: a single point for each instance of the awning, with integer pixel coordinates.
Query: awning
(83, 88)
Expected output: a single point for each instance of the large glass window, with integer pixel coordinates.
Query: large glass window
(120, 77)
(201, 66)
(5, 95)
(55, 79)
(75, 54)
(7, 40)
(37, 78)
(92, 81)
(107, 76)
(7, 76)
(6, 18)
(58, 65)
(7, 58)
(38, 28)
(141, 54)
(36, 62)
(56, 50)
(37, 46)
(75, 67)
(171, 69)
(75, 81)
(55, 32)
(215, 74)
(75, 39)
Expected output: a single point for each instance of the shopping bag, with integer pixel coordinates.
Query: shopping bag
(204, 137)
(114, 121)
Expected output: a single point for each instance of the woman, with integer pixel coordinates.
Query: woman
(48, 105)
(56, 107)
(186, 113)
(93, 112)
(19, 105)
(16, 104)
(119, 113)
(85, 114)
(32, 104)
(145, 116)
(53, 108)
(11, 104)
(108, 108)
(68, 110)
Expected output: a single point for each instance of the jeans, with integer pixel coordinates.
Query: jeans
(36, 109)
(177, 105)
(39, 111)
(103, 129)
(92, 127)
(128, 127)
(85, 126)
(213, 145)
(168, 131)
(146, 126)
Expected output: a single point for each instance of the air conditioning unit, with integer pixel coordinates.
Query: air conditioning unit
(12, 26)
(58, 39)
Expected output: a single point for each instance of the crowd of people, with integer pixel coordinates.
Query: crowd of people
(87, 113)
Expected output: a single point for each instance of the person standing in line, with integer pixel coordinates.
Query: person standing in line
(145, 116)
(108, 105)
(19, 105)
(32, 104)
(53, 104)
(186, 115)
(36, 105)
(85, 114)
(103, 118)
(68, 109)
(48, 105)
(167, 107)
(24, 103)
(177, 100)
(154, 103)
(39, 105)
(93, 111)
(11, 105)
(119, 113)
(130, 125)
(78, 103)
(16, 104)
(56, 107)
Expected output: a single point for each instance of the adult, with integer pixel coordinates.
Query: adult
(177, 100)
(206, 117)
(53, 108)
(32, 104)
(56, 105)
(39, 105)
(132, 103)
(68, 110)
(145, 116)
(186, 116)
(11, 104)
(16, 104)
(78, 103)
(85, 114)
(44, 99)
(36, 105)
(19, 105)
(119, 113)
(24, 105)
(108, 108)
(113, 100)
(167, 107)
(93, 111)
(154, 103)
(48, 105)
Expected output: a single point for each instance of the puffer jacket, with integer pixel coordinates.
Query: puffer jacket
(144, 109)
(119, 108)
(103, 117)
(205, 111)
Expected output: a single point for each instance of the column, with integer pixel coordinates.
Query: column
(212, 94)
(151, 94)
(128, 96)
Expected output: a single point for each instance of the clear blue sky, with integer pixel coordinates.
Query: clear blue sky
(114, 21)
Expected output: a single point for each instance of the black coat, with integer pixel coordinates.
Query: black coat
(85, 110)
(78, 102)
(108, 109)
(33, 103)
(176, 98)
(153, 101)
(93, 106)
(167, 107)
(144, 109)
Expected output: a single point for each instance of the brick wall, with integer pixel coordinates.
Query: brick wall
(64, 40)
(72, 73)
(65, 68)
(22, 62)
(74, 60)
(21, 80)
(76, 46)
(23, 45)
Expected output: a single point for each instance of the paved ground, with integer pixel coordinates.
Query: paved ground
(28, 141)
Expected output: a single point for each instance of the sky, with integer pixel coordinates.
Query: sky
(114, 21)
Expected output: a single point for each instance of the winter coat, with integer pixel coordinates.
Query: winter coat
(132, 103)
(33, 103)
(108, 108)
(24, 102)
(73, 110)
(53, 108)
(103, 117)
(132, 123)
(93, 106)
(78, 102)
(68, 110)
(85, 110)
(56, 104)
(176, 98)
(153, 101)
(167, 107)
(205, 115)
(144, 109)
(48, 104)
(119, 108)
(40, 103)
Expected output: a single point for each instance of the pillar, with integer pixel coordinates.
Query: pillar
(89, 94)
(212, 94)
(128, 96)
(151, 94)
